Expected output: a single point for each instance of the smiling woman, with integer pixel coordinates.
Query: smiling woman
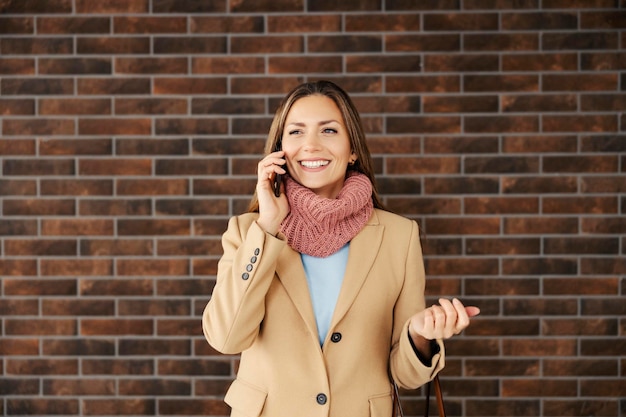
(319, 288)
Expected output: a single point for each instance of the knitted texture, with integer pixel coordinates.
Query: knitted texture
(320, 226)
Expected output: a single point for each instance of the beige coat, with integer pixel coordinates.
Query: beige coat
(261, 308)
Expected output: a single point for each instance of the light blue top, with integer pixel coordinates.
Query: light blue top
(324, 277)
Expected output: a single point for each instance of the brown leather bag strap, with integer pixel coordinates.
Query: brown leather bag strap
(397, 407)
(438, 394)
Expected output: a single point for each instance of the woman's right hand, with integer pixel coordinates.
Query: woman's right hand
(272, 209)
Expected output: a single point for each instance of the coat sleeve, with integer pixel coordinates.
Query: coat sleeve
(232, 317)
(406, 368)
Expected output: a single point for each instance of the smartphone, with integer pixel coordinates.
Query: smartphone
(277, 178)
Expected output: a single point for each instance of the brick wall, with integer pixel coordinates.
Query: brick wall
(130, 132)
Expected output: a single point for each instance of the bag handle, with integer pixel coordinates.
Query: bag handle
(397, 407)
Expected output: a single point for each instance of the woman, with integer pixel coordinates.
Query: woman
(320, 289)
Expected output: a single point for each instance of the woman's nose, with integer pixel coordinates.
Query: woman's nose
(311, 141)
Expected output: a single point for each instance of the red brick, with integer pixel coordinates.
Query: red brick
(17, 187)
(539, 144)
(51, 247)
(152, 307)
(313, 64)
(189, 45)
(75, 66)
(119, 406)
(117, 366)
(39, 327)
(540, 62)
(150, 106)
(579, 367)
(75, 25)
(266, 45)
(18, 347)
(580, 40)
(178, 287)
(461, 104)
(509, 286)
(76, 187)
(192, 207)
(35, 46)
(152, 187)
(191, 126)
(193, 407)
(539, 388)
(14, 107)
(189, 6)
(82, 267)
(119, 86)
(115, 167)
(116, 247)
(84, 146)
(460, 22)
(145, 25)
(78, 346)
(151, 267)
(502, 367)
(193, 167)
(109, 126)
(33, 287)
(15, 66)
(138, 227)
(544, 347)
(108, 207)
(600, 61)
(541, 225)
(17, 25)
(231, 24)
(579, 327)
(189, 247)
(40, 406)
(38, 207)
(119, 287)
(539, 21)
(150, 65)
(39, 126)
(79, 387)
(77, 227)
(117, 327)
(112, 6)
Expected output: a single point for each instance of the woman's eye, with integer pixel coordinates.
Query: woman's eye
(295, 132)
(329, 130)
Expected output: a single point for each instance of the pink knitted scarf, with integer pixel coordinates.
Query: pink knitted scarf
(319, 226)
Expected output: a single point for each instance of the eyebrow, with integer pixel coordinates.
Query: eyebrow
(322, 123)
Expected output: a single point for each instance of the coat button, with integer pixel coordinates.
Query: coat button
(321, 399)
(249, 267)
(253, 259)
(335, 337)
(245, 276)
(257, 251)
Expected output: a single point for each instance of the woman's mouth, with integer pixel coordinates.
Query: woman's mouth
(314, 164)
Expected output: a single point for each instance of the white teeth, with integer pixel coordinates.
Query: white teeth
(313, 164)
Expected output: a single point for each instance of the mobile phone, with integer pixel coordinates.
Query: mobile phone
(277, 178)
(276, 184)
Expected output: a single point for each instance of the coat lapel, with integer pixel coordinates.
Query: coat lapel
(363, 251)
(291, 274)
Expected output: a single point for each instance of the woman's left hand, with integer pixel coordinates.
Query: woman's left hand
(441, 321)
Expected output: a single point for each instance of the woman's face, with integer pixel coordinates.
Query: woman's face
(316, 145)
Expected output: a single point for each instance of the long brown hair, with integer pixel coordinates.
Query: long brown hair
(351, 119)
